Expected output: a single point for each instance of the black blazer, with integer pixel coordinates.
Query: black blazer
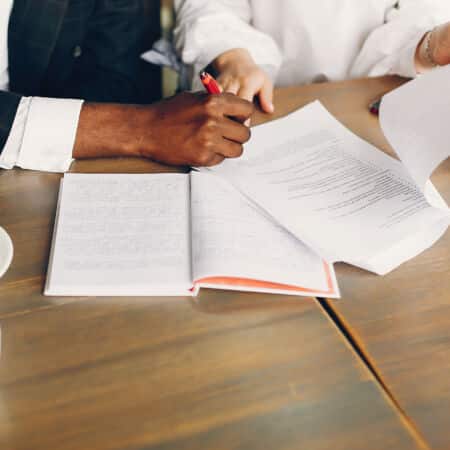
(87, 49)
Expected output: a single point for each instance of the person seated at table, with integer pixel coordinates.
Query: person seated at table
(55, 52)
(252, 44)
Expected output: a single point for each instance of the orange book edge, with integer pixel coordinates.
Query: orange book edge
(246, 282)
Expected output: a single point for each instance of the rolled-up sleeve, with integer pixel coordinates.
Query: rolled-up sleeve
(207, 28)
(42, 135)
(390, 48)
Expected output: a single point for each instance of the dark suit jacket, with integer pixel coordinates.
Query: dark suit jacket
(87, 49)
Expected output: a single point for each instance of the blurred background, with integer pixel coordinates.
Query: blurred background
(156, 82)
(169, 77)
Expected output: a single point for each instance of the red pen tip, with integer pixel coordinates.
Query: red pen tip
(210, 83)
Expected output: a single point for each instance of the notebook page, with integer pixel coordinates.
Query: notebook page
(414, 120)
(341, 196)
(234, 238)
(122, 235)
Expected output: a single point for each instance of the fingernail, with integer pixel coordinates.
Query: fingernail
(248, 122)
(271, 107)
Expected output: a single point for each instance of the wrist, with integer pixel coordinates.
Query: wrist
(234, 56)
(108, 130)
(425, 55)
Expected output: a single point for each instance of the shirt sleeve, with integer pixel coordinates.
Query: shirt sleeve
(42, 135)
(390, 49)
(207, 28)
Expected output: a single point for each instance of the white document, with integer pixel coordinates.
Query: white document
(338, 194)
(172, 234)
(414, 118)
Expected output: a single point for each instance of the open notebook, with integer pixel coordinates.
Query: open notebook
(171, 234)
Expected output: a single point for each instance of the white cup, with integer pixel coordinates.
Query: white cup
(6, 251)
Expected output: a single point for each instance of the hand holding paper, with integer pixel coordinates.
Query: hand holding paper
(415, 120)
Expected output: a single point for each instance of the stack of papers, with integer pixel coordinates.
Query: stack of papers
(344, 198)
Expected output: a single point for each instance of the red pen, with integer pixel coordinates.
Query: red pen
(212, 87)
(210, 83)
(374, 107)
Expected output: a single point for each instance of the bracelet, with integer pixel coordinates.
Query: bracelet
(428, 52)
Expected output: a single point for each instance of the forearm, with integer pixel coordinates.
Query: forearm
(188, 129)
(108, 130)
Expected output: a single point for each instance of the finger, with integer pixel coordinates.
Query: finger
(216, 159)
(232, 87)
(237, 107)
(234, 131)
(249, 90)
(266, 97)
(229, 149)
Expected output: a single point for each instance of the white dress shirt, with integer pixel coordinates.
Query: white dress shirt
(303, 41)
(44, 129)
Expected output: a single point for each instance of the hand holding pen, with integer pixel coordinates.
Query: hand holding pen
(213, 88)
(210, 84)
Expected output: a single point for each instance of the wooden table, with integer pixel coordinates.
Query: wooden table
(401, 322)
(224, 371)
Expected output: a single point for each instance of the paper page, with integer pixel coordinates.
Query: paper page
(343, 197)
(414, 120)
(122, 235)
(233, 238)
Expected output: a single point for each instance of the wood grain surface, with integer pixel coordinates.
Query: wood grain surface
(224, 371)
(28, 206)
(228, 371)
(401, 321)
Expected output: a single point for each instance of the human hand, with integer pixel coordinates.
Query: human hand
(438, 44)
(188, 129)
(239, 75)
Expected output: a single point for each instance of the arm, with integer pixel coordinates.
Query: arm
(188, 129)
(219, 32)
(107, 69)
(392, 47)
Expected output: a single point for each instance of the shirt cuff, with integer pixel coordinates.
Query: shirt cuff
(405, 59)
(214, 35)
(49, 134)
(10, 153)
